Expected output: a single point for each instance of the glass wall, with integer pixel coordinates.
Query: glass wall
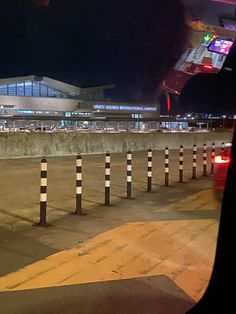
(37, 89)
(30, 89)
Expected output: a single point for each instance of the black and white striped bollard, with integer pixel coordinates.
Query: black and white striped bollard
(213, 152)
(149, 171)
(107, 178)
(194, 176)
(43, 192)
(204, 161)
(129, 174)
(78, 210)
(166, 166)
(181, 164)
(222, 147)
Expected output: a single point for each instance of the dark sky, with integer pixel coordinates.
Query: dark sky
(130, 43)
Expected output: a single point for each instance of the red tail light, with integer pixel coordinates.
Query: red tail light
(222, 159)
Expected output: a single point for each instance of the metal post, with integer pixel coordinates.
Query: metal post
(212, 157)
(41, 126)
(194, 176)
(107, 178)
(43, 193)
(78, 210)
(129, 174)
(181, 164)
(166, 166)
(149, 169)
(222, 147)
(204, 161)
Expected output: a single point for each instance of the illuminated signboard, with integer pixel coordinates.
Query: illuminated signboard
(220, 46)
(123, 107)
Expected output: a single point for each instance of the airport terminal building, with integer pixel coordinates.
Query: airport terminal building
(42, 97)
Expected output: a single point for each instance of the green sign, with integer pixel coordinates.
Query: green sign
(207, 38)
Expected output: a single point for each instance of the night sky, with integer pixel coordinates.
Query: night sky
(130, 43)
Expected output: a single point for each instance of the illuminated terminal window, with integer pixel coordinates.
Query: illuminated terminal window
(31, 89)
(3, 89)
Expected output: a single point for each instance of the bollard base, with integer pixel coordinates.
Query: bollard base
(42, 224)
(129, 198)
(80, 214)
(167, 186)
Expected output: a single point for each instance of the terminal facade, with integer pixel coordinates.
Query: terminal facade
(43, 97)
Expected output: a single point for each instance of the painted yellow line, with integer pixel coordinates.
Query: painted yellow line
(174, 248)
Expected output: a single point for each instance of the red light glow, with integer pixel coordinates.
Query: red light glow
(225, 1)
(208, 66)
(220, 160)
(168, 103)
(41, 3)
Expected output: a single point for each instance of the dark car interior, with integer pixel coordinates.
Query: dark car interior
(210, 89)
(220, 88)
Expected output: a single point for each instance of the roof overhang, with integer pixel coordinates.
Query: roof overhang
(95, 88)
(58, 85)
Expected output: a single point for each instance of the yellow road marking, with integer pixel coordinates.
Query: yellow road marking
(166, 251)
(183, 250)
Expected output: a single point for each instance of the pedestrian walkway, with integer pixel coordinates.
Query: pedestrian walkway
(183, 250)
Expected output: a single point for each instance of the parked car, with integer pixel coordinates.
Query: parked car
(221, 162)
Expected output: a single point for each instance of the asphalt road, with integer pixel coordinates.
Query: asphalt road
(182, 218)
(19, 191)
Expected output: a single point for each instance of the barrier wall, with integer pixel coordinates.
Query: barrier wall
(16, 145)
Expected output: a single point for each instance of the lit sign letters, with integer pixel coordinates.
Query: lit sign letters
(123, 107)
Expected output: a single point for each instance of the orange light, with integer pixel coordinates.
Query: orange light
(220, 160)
